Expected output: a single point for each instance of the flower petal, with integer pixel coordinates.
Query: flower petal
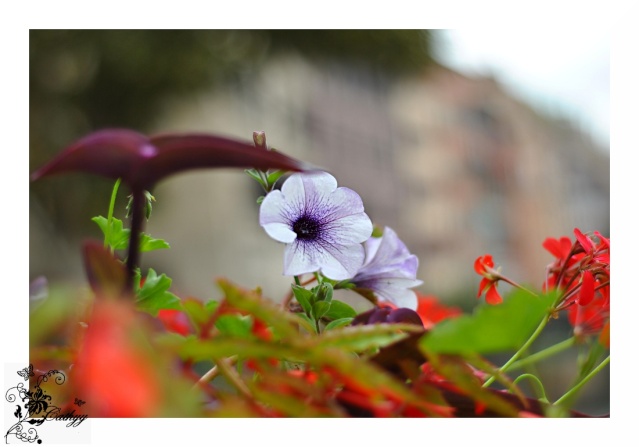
(302, 192)
(350, 230)
(492, 296)
(280, 232)
(300, 258)
(342, 202)
(404, 298)
(336, 263)
(273, 218)
(342, 262)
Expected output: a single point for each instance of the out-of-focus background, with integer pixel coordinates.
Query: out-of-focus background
(461, 149)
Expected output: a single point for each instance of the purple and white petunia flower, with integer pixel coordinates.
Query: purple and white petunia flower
(323, 226)
(389, 270)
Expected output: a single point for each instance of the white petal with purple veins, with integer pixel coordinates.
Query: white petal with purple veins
(323, 226)
(389, 271)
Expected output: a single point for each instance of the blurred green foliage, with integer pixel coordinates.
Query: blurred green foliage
(84, 80)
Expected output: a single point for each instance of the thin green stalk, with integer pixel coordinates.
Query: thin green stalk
(548, 352)
(297, 280)
(521, 350)
(225, 368)
(114, 194)
(539, 387)
(585, 380)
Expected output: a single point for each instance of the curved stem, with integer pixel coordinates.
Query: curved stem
(521, 350)
(539, 387)
(585, 380)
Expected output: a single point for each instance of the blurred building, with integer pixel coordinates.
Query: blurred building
(456, 165)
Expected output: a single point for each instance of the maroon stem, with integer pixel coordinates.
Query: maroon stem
(137, 221)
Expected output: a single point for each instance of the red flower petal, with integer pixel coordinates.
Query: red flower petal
(431, 311)
(482, 262)
(492, 296)
(587, 289)
(483, 285)
(586, 243)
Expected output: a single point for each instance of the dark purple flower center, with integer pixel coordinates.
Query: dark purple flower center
(307, 228)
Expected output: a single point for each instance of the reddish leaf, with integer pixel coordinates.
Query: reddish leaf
(142, 161)
(107, 275)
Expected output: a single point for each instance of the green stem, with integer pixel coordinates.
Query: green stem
(114, 194)
(548, 352)
(539, 388)
(297, 280)
(585, 380)
(521, 350)
(519, 286)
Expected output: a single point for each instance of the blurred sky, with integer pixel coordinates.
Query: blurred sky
(563, 72)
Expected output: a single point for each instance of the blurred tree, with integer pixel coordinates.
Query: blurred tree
(83, 80)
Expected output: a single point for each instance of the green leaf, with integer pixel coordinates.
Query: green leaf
(490, 329)
(234, 325)
(284, 323)
(197, 311)
(115, 236)
(324, 292)
(363, 337)
(148, 243)
(154, 294)
(256, 175)
(340, 310)
(274, 177)
(338, 323)
(320, 308)
(307, 323)
(304, 297)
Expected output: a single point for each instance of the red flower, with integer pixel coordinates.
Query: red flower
(484, 266)
(582, 275)
(175, 321)
(112, 372)
(431, 311)
(591, 319)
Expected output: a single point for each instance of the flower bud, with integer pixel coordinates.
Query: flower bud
(259, 138)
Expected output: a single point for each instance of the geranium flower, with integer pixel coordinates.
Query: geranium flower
(484, 266)
(590, 319)
(323, 226)
(390, 270)
(431, 311)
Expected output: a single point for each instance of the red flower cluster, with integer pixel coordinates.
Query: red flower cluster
(581, 272)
